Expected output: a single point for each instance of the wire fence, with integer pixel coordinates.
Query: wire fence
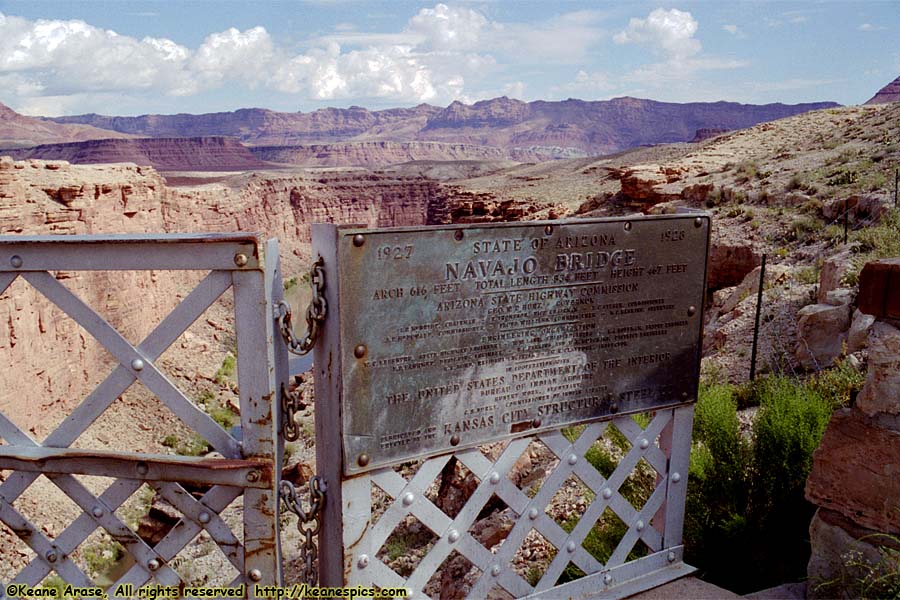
(776, 334)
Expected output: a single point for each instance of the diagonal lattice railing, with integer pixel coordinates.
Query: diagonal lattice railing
(249, 467)
(664, 445)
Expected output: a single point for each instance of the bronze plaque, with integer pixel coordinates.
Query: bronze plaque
(454, 336)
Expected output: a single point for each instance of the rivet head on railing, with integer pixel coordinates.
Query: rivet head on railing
(639, 525)
(16, 261)
(533, 513)
(362, 460)
(627, 226)
(359, 351)
(253, 476)
(644, 443)
(614, 407)
(692, 310)
(204, 517)
(51, 556)
(97, 512)
(240, 260)
(495, 570)
(458, 235)
(495, 478)
(137, 364)
(607, 579)
(453, 536)
(141, 468)
(676, 477)
(670, 557)
(255, 575)
(570, 546)
(363, 561)
(359, 239)
(408, 498)
(573, 459)
(698, 222)
(454, 440)
(153, 564)
(607, 493)
(536, 422)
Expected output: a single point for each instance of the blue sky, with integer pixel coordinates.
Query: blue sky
(128, 57)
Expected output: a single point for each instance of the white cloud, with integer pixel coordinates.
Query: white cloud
(442, 53)
(445, 28)
(871, 27)
(670, 32)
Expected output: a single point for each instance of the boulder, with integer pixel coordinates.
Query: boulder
(828, 573)
(855, 471)
(840, 297)
(821, 333)
(833, 270)
(882, 390)
(857, 208)
(640, 184)
(729, 263)
(879, 288)
(858, 336)
(775, 274)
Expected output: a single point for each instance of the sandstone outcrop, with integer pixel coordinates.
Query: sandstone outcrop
(39, 197)
(854, 478)
(882, 390)
(854, 471)
(383, 153)
(729, 263)
(833, 271)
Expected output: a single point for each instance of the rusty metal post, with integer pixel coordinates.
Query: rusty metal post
(255, 328)
(762, 278)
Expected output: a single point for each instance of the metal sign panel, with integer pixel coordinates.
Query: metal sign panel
(455, 336)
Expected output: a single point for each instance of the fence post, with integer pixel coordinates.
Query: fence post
(896, 183)
(255, 329)
(762, 277)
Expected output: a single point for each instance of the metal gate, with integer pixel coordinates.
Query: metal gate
(365, 507)
(243, 263)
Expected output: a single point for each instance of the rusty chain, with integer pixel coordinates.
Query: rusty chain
(315, 313)
(292, 402)
(308, 550)
(308, 521)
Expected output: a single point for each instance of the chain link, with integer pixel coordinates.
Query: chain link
(309, 553)
(291, 404)
(315, 313)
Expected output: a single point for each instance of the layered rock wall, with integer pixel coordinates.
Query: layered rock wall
(855, 478)
(56, 362)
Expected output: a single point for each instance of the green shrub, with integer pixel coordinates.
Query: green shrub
(747, 520)
(808, 274)
(804, 227)
(873, 243)
(226, 371)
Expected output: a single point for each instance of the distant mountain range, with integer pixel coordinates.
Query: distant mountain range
(497, 129)
(570, 127)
